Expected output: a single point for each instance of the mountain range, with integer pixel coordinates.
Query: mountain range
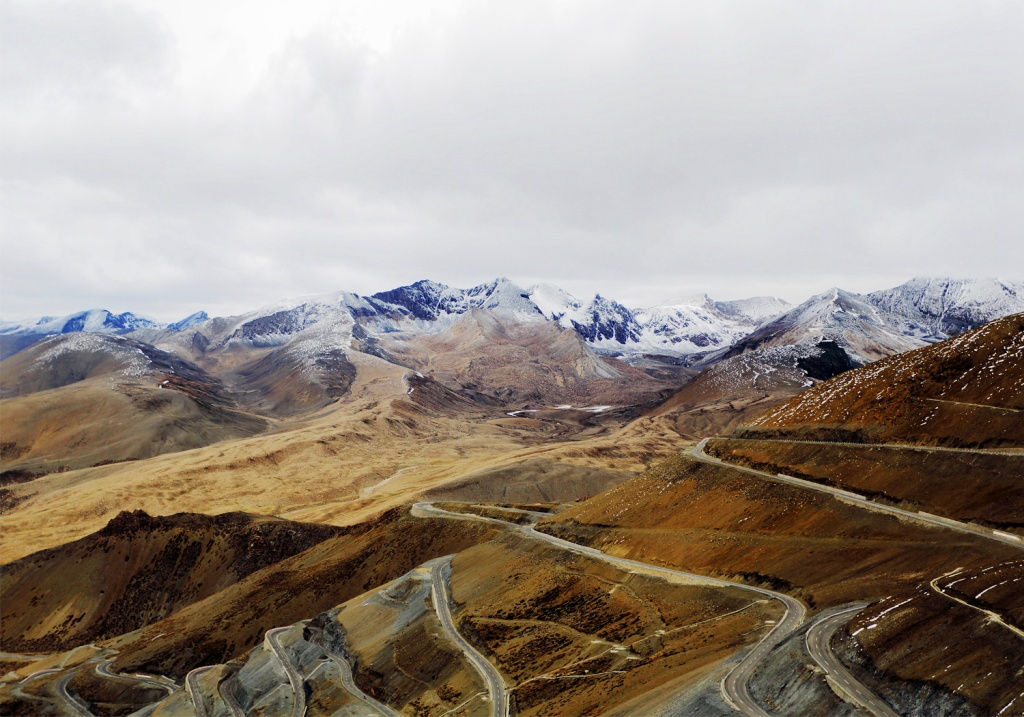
(417, 548)
(691, 331)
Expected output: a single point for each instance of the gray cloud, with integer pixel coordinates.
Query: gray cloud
(641, 151)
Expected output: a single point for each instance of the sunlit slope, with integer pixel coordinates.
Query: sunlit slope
(718, 521)
(966, 391)
(971, 485)
(382, 447)
(81, 400)
(498, 359)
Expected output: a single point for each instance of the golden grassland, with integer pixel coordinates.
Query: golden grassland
(377, 449)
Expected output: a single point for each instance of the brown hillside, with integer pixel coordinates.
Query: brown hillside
(718, 521)
(136, 571)
(83, 400)
(576, 636)
(230, 622)
(967, 391)
(969, 485)
(731, 392)
(503, 361)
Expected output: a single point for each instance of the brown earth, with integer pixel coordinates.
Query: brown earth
(969, 486)
(982, 659)
(535, 480)
(136, 571)
(501, 360)
(576, 636)
(717, 521)
(402, 653)
(967, 391)
(233, 620)
(82, 400)
(730, 393)
(382, 447)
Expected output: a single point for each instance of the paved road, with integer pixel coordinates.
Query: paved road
(992, 616)
(496, 689)
(734, 687)
(192, 688)
(348, 680)
(228, 695)
(819, 646)
(103, 669)
(16, 687)
(1005, 538)
(299, 702)
(896, 446)
(73, 702)
(22, 657)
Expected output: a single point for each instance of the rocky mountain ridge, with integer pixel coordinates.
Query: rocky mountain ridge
(693, 330)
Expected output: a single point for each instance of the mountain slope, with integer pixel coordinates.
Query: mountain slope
(79, 400)
(934, 309)
(966, 391)
(136, 571)
(498, 359)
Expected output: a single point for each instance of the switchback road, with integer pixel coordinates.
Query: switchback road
(819, 646)
(735, 686)
(348, 680)
(299, 701)
(496, 689)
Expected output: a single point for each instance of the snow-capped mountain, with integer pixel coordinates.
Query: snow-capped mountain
(693, 330)
(936, 309)
(854, 324)
(883, 323)
(189, 321)
(680, 327)
(93, 320)
(429, 301)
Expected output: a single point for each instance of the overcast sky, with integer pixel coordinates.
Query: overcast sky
(164, 157)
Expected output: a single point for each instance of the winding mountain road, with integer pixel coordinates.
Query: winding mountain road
(103, 669)
(857, 499)
(348, 679)
(299, 701)
(819, 646)
(228, 695)
(497, 692)
(990, 614)
(195, 695)
(735, 686)
(73, 702)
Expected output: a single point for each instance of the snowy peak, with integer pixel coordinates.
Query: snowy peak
(753, 311)
(424, 300)
(190, 321)
(93, 320)
(503, 294)
(428, 301)
(937, 308)
(605, 323)
(553, 302)
(850, 320)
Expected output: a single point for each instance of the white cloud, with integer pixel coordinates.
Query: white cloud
(222, 155)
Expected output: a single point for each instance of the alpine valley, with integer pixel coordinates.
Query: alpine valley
(505, 500)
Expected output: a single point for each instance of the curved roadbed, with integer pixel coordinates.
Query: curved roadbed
(864, 502)
(299, 692)
(348, 680)
(74, 702)
(497, 692)
(818, 641)
(103, 669)
(990, 615)
(735, 687)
